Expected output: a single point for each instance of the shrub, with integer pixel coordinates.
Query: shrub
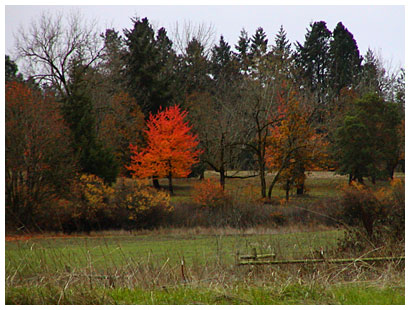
(377, 217)
(210, 195)
(393, 200)
(360, 207)
(90, 206)
(140, 206)
(219, 208)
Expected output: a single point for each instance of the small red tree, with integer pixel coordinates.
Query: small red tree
(171, 149)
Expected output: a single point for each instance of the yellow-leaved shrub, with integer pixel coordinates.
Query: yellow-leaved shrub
(142, 205)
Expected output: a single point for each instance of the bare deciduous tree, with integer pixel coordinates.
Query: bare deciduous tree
(50, 44)
(182, 35)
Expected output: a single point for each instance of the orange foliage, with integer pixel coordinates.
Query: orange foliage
(209, 194)
(171, 149)
(293, 144)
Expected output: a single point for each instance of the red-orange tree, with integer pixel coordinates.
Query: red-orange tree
(171, 147)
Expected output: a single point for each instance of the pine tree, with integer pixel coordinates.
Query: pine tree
(11, 70)
(146, 66)
(243, 51)
(224, 66)
(282, 47)
(370, 74)
(221, 58)
(345, 59)
(312, 59)
(282, 56)
(195, 68)
(259, 43)
(113, 61)
(78, 113)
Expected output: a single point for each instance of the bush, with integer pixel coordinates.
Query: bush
(210, 195)
(360, 207)
(215, 207)
(393, 200)
(93, 205)
(140, 206)
(90, 207)
(376, 217)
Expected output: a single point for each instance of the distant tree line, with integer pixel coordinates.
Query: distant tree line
(263, 106)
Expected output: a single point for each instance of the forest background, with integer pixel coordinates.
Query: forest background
(271, 108)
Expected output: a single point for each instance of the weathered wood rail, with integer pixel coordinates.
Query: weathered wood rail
(258, 260)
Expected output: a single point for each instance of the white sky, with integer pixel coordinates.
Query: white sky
(379, 27)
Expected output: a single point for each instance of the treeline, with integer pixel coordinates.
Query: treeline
(263, 106)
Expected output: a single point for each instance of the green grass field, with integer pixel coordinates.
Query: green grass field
(197, 265)
(146, 269)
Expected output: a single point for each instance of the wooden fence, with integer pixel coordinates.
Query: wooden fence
(262, 260)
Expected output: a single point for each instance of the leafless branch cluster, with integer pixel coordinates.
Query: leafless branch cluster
(183, 34)
(51, 43)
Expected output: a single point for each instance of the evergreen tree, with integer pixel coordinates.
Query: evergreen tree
(282, 55)
(400, 88)
(145, 66)
(345, 59)
(312, 59)
(243, 51)
(367, 144)
(11, 70)
(371, 75)
(282, 47)
(195, 68)
(259, 43)
(223, 63)
(79, 115)
(113, 61)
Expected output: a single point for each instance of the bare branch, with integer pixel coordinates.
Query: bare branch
(51, 43)
(182, 35)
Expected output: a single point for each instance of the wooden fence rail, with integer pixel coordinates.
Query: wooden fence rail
(254, 260)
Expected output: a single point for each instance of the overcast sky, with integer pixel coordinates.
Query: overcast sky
(379, 27)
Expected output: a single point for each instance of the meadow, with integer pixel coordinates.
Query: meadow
(198, 265)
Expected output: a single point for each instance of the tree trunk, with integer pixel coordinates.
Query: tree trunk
(300, 190)
(171, 188)
(222, 177)
(155, 182)
(222, 158)
(391, 169)
(275, 179)
(287, 188)
(272, 185)
(263, 180)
